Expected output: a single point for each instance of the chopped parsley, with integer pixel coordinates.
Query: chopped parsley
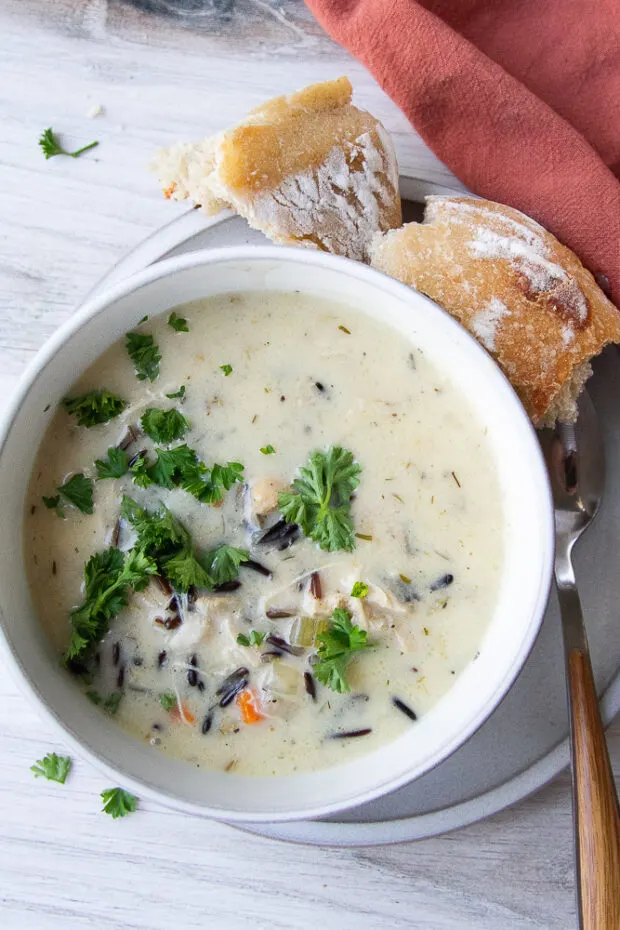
(109, 704)
(164, 426)
(51, 146)
(144, 353)
(109, 576)
(117, 802)
(338, 645)
(178, 323)
(94, 408)
(78, 490)
(52, 767)
(360, 589)
(180, 467)
(168, 700)
(255, 638)
(163, 538)
(114, 466)
(180, 393)
(222, 564)
(267, 450)
(227, 369)
(320, 501)
(53, 503)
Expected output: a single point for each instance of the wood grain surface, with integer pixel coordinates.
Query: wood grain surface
(165, 70)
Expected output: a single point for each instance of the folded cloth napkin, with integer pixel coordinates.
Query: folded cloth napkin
(518, 97)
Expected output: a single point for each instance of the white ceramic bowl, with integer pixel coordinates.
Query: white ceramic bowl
(527, 513)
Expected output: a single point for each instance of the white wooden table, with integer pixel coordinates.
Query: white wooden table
(64, 865)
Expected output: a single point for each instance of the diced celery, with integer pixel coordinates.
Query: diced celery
(284, 679)
(305, 630)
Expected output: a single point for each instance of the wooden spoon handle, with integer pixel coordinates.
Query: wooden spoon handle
(597, 818)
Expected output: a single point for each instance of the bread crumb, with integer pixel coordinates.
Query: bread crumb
(95, 110)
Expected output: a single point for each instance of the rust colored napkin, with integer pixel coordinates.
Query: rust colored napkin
(520, 98)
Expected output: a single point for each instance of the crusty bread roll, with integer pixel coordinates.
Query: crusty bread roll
(306, 169)
(523, 295)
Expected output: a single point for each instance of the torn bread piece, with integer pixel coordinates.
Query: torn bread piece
(520, 292)
(306, 169)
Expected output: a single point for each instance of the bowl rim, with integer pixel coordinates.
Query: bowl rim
(92, 307)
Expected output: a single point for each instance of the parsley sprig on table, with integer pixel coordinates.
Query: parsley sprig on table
(144, 353)
(117, 802)
(52, 767)
(94, 407)
(338, 645)
(320, 501)
(51, 146)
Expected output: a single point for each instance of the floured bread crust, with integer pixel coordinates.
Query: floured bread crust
(306, 169)
(523, 295)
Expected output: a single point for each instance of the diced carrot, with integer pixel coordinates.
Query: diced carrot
(247, 702)
(182, 714)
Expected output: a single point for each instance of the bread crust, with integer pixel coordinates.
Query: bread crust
(520, 292)
(306, 169)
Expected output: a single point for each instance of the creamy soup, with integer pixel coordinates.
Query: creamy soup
(251, 617)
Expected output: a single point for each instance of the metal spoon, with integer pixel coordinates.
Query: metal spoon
(575, 459)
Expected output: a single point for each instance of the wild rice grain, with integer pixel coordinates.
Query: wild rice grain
(404, 708)
(310, 686)
(351, 734)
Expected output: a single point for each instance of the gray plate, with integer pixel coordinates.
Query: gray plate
(524, 743)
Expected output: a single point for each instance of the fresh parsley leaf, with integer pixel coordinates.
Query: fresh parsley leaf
(108, 578)
(180, 393)
(338, 645)
(144, 353)
(172, 465)
(94, 408)
(111, 703)
(78, 490)
(255, 638)
(52, 767)
(360, 589)
(114, 466)
(158, 531)
(51, 146)
(180, 467)
(227, 369)
(53, 503)
(118, 803)
(184, 570)
(225, 476)
(267, 450)
(164, 425)
(222, 564)
(320, 501)
(168, 700)
(178, 323)
(163, 538)
(139, 471)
